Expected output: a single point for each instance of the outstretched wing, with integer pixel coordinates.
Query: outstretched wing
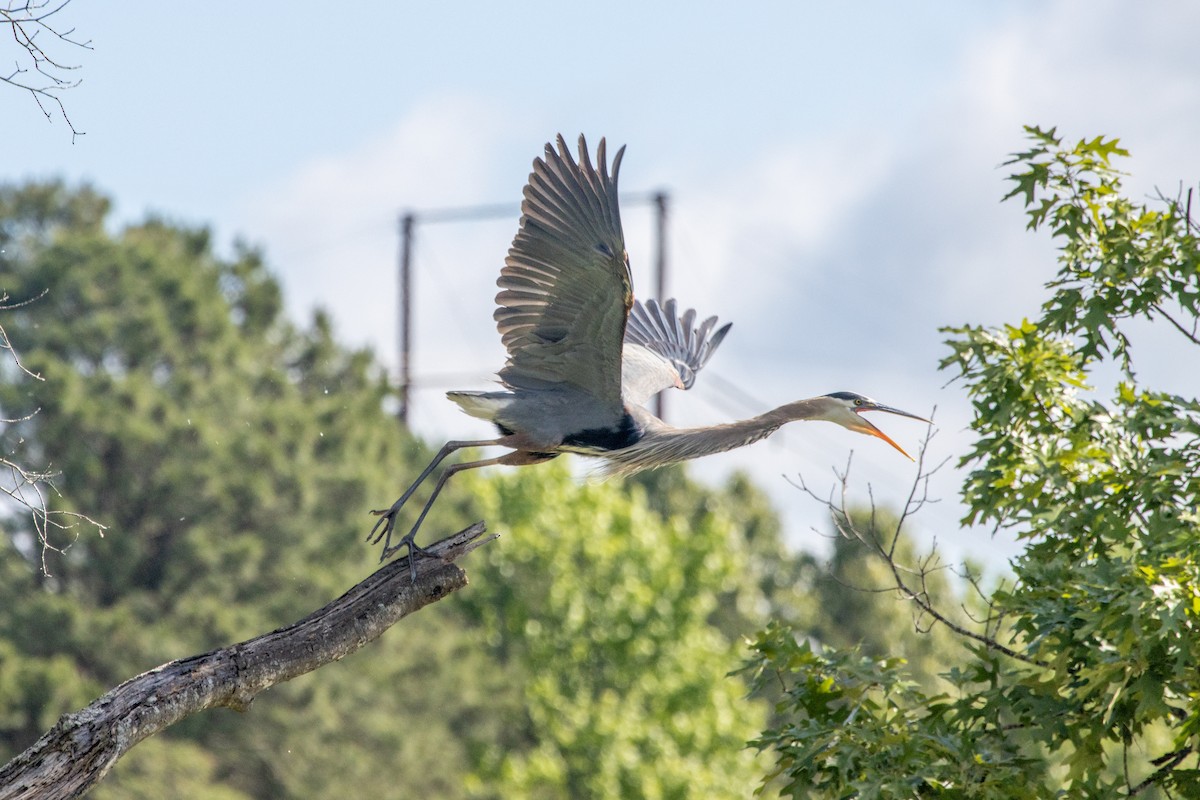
(565, 289)
(677, 349)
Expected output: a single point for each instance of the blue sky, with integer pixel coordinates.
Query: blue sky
(833, 170)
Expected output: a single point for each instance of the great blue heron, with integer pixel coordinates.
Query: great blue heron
(583, 356)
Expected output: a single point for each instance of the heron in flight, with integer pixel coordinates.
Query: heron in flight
(583, 356)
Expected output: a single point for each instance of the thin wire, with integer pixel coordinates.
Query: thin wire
(309, 253)
(509, 210)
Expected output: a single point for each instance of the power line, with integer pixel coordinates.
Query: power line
(503, 210)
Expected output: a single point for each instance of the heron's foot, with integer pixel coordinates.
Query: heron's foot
(383, 532)
(408, 541)
(383, 527)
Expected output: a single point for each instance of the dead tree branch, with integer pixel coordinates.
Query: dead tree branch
(78, 751)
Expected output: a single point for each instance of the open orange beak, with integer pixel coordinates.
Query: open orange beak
(868, 428)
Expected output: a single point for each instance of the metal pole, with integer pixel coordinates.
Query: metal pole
(406, 234)
(660, 275)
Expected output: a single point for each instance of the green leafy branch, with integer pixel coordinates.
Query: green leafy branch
(1094, 691)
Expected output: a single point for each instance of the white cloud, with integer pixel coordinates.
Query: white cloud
(332, 226)
(776, 207)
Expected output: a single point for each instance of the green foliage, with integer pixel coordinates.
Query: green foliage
(1119, 259)
(1109, 590)
(860, 726)
(168, 767)
(606, 607)
(233, 458)
(773, 581)
(1083, 677)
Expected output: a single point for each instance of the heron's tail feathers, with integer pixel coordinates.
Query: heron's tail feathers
(483, 405)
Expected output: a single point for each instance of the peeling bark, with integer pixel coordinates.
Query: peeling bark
(80, 749)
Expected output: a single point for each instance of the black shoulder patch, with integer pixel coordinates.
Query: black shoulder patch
(626, 433)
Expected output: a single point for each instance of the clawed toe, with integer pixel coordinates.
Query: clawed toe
(382, 532)
(413, 549)
(407, 541)
(383, 527)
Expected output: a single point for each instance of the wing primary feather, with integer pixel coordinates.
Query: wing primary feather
(680, 333)
(702, 338)
(715, 341)
(665, 323)
(690, 340)
(564, 289)
(548, 189)
(549, 192)
(594, 188)
(662, 330)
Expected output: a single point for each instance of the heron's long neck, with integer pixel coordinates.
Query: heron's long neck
(732, 435)
(793, 412)
(662, 444)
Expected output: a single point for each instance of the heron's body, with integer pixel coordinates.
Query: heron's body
(583, 358)
(635, 441)
(552, 421)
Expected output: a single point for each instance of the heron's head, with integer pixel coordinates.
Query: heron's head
(846, 409)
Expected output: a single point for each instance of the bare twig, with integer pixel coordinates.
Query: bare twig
(910, 582)
(37, 71)
(80, 749)
(6, 343)
(1191, 335)
(26, 486)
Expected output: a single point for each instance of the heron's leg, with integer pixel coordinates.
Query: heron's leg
(387, 518)
(515, 458)
(409, 539)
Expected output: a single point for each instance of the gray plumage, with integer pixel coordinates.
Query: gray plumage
(583, 357)
(664, 350)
